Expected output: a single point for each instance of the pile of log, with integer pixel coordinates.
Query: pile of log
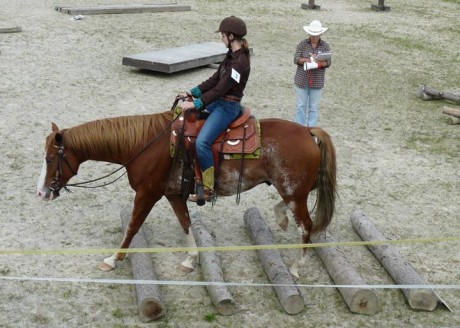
(428, 93)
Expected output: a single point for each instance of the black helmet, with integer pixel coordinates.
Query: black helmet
(233, 25)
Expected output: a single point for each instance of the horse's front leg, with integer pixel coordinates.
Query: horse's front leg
(180, 208)
(141, 210)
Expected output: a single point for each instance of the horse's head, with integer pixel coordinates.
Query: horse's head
(59, 166)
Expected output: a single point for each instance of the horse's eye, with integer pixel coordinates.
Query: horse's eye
(48, 161)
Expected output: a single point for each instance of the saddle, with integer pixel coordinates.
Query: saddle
(241, 137)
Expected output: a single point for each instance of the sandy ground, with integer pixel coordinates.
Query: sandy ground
(398, 159)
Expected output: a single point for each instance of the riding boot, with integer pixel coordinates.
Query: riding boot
(208, 185)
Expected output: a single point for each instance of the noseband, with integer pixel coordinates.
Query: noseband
(55, 185)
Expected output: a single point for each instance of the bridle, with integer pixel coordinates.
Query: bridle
(55, 185)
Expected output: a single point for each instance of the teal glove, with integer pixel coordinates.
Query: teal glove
(196, 92)
(198, 104)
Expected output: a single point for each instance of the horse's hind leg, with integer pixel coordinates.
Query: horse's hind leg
(304, 226)
(181, 210)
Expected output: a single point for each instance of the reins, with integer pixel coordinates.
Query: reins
(84, 183)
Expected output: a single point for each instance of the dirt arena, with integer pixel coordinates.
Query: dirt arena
(398, 158)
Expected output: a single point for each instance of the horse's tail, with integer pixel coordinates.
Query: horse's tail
(326, 182)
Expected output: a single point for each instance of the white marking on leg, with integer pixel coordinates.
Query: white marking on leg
(192, 258)
(110, 261)
(294, 269)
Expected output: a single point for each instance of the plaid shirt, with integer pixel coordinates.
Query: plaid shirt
(313, 78)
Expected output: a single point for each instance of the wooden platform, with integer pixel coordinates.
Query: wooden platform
(120, 9)
(178, 59)
(10, 29)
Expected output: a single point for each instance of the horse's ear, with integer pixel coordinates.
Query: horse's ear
(58, 138)
(54, 127)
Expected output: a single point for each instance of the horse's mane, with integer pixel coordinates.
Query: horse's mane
(116, 135)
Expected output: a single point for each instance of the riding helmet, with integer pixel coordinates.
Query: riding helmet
(233, 25)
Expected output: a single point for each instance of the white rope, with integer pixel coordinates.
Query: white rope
(210, 283)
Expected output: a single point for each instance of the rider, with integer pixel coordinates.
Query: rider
(221, 96)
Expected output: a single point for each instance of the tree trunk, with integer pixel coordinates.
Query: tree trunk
(359, 300)
(400, 270)
(149, 299)
(289, 296)
(211, 268)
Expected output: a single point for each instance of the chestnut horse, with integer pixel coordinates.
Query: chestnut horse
(294, 158)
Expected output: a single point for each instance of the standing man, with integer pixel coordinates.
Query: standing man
(309, 77)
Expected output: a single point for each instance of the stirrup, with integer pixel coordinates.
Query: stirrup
(208, 196)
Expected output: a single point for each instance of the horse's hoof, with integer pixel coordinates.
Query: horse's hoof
(105, 267)
(185, 269)
(294, 272)
(284, 224)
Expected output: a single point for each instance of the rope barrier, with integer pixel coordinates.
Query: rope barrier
(220, 248)
(211, 283)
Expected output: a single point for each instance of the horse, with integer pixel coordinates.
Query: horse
(293, 158)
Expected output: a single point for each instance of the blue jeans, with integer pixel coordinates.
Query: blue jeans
(310, 97)
(222, 114)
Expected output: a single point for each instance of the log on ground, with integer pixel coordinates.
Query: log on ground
(288, 294)
(454, 115)
(359, 300)
(400, 270)
(429, 93)
(149, 298)
(211, 268)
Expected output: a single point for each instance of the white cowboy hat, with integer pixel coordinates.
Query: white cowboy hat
(315, 28)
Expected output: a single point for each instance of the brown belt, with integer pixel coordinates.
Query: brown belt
(232, 98)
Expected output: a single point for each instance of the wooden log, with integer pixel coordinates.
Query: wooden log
(453, 115)
(149, 298)
(10, 29)
(120, 9)
(429, 93)
(211, 268)
(359, 300)
(400, 270)
(288, 294)
(451, 111)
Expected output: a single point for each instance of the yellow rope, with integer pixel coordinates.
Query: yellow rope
(220, 248)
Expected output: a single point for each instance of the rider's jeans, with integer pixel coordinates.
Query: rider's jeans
(222, 114)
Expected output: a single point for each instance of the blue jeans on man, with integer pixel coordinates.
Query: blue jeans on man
(307, 104)
(222, 114)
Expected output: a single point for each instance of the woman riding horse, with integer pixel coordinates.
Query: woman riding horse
(220, 96)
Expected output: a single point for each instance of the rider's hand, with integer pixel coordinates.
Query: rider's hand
(186, 105)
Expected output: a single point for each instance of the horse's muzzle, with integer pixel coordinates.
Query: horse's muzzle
(47, 194)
